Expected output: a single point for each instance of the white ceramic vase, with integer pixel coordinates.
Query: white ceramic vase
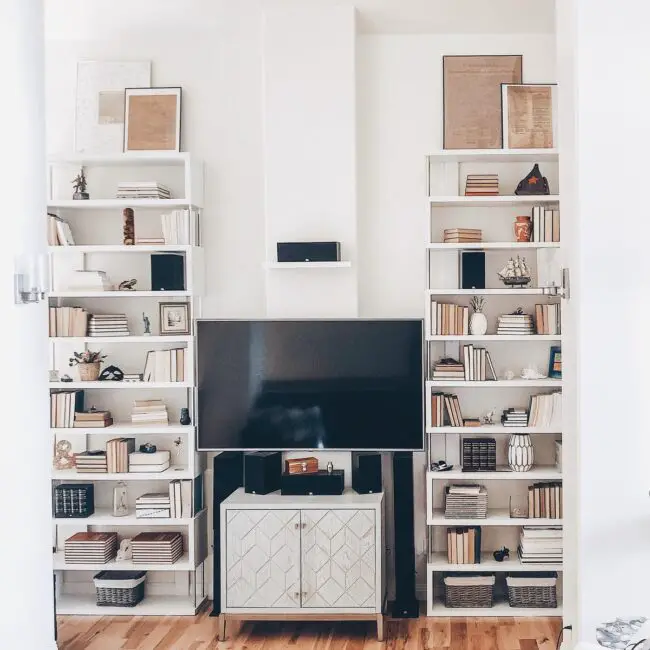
(520, 452)
(477, 324)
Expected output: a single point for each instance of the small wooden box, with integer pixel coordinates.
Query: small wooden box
(307, 465)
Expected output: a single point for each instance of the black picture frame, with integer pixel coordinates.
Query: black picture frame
(555, 362)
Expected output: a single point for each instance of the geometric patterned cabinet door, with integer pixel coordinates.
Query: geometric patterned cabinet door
(263, 558)
(338, 558)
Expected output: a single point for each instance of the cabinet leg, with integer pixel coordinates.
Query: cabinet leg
(380, 627)
(222, 627)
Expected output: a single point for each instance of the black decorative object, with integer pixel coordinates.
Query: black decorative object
(79, 184)
(185, 417)
(502, 554)
(167, 272)
(73, 500)
(127, 285)
(533, 184)
(321, 482)
(472, 270)
(66, 378)
(366, 473)
(479, 455)
(262, 471)
(111, 373)
(147, 448)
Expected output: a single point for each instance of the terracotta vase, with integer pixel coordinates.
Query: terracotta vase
(522, 229)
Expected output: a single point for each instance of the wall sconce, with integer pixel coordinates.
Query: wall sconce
(31, 279)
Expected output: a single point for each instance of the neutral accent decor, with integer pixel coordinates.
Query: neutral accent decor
(520, 452)
(529, 116)
(152, 119)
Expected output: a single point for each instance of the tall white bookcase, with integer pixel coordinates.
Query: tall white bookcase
(96, 223)
(447, 207)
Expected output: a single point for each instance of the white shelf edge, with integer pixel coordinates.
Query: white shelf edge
(124, 158)
(182, 564)
(501, 609)
(441, 246)
(121, 428)
(120, 294)
(103, 517)
(492, 201)
(437, 562)
(495, 429)
(168, 475)
(308, 265)
(119, 339)
(121, 248)
(496, 517)
(159, 605)
(499, 383)
(121, 385)
(544, 473)
(494, 155)
(109, 204)
(536, 291)
(494, 337)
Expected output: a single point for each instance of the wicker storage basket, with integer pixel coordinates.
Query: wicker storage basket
(89, 371)
(119, 588)
(532, 591)
(469, 591)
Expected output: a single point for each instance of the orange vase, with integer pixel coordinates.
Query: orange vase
(522, 229)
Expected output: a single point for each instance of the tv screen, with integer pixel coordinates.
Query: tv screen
(310, 384)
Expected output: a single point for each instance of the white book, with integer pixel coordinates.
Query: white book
(172, 501)
(173, 372)
(140, 469)
(433, 312)
(178, 499)
(186, 498)
(64, 233)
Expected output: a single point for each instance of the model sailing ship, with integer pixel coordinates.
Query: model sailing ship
(515, 273)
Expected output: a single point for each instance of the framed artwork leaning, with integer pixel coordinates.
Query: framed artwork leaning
(152, 119)
(472, 99)
(174, 318)
(529, 116)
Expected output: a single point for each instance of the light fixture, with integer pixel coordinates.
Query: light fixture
(30, 279)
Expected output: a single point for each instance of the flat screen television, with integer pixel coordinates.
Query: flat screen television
(346, 385)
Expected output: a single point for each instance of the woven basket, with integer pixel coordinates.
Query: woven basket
(119, 588)
(89, 371)
(468, 595)
(532, 592)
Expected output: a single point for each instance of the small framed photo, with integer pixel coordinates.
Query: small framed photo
(555, 362)
(152, 119)
(174, 318)
(53, 375)
(529, 116)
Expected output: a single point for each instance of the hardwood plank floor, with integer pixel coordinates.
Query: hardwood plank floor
(200, 633)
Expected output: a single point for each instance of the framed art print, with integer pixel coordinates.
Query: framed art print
(529, 116)
(555, 362)
(99, 106)
(152, 119)
(174, 318)
(472, 99)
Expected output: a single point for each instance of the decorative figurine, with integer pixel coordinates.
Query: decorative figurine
(53, 375)
(515, 273)
(330, 467)
(120, 500)
(441, 466)
(147, 448)
(178, 444)
(111, 373)
(128, 227)
(66, 378)
(63, 457)
(125, 552)
(502, 554)
(488, 418)
(533, 184)
(147, 325)
(79, 184)
(531, 372)
(185, 417)
(509, 375)
(127, 285)
(478, 321)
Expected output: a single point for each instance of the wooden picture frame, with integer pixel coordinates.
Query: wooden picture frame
(555, 362)
(174, 318)
(152, 119)
(528, 113)
(471, 89)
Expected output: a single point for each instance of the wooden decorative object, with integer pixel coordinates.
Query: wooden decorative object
(128, 227)
(308, 465)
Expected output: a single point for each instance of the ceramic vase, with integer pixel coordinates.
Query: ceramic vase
(478, 324)
(520, 452)
(522, 229)
(185, 417)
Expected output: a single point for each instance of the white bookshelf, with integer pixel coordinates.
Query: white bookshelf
(447, 207)
(96, 223)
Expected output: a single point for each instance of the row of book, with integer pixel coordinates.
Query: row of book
(545, 500)
(149, 411)
(63, 406)
(462, 235)
(479, 455)
(92, 419)
(179, 502)
(92, 461)
(540, 545)
(545, 410)
(478, 364)
(466, 502)
(445, 408)
(165, 365)
(546, 224)
(448, 319)
(177, 226)
(464, 545)
(515, 324)
(143, 190)
(68, 321)
(58, 231)
(117, 454)
(547, 319)
(482, 185)
(108, 325)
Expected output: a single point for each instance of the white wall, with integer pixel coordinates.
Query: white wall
(217, 56)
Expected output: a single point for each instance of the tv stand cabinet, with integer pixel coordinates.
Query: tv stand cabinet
(302, 558)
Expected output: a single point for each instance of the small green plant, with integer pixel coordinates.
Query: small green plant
(87, 356)
(477, 303)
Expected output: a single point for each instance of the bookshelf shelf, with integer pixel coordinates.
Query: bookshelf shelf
(538, 291)
(162, 295)
(309, 265)
(168, 475)
(490, 430)
(125, 428)
(496, 517)
(499, 383)
(438, 609)
(438, 562)
(532, 338)
(494, 155)
(118, 204)
(154, 605)
(81, 340)
(182, 564)
(119, 385)
(490, 201)
(549, 473)
(121, 248)
(491, 245)
(104, 517)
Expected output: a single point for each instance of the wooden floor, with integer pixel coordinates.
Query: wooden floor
(200, 633)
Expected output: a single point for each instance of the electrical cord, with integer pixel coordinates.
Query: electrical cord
(560, 636)
(636, 645)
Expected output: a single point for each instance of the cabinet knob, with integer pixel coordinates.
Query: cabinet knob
(304, 594)
(296, 594)
(296, 526)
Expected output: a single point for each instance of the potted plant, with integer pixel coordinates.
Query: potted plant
(478, 321)
(88, 362)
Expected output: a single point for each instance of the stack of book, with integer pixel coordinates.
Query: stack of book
(149, 411)
(482, 185)
(93, 419)
(478, 364)
(68, 321)
(58, 231)
(448, 369)
(449, 320)
(540, 545)
(157, 548)
(465, 502)
(545, 410)
(89, 281)
(464, 545)
(143, 190)
(515, 324)
(547, 319)
(445, 409)
(149, 241)
(462, 236)
(545, 500)
(546, 224)
(90, 548)
(153, 505)
(176, 226)
(93, 461)
(514, 417)
(165, 365)
(479, 455)
(149, 462)
(184, 501)
(117, 454)
(63, 406)
(108, 325)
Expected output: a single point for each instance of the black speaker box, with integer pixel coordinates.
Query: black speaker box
(366, 473)
(309, 251)
(227, 476)
(262, 471)
(167, 272)
(321, 482)
(472, 270)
